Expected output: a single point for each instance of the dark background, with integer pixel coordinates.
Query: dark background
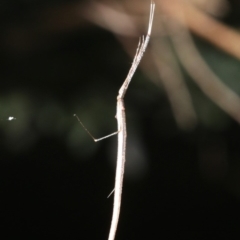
(55, 180)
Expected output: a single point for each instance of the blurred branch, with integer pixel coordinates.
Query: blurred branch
(218, 34)
(174, 84)
(216, 8)
(113, 16)
(110, 18)
(205, 78)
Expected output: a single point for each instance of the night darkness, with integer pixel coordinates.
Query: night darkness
(54, 179)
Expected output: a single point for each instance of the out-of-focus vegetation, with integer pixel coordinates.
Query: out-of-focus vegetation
(59, 58)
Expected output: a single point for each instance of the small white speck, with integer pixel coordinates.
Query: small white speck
(11, 118)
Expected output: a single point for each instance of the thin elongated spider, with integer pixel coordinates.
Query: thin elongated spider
(122, 133)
